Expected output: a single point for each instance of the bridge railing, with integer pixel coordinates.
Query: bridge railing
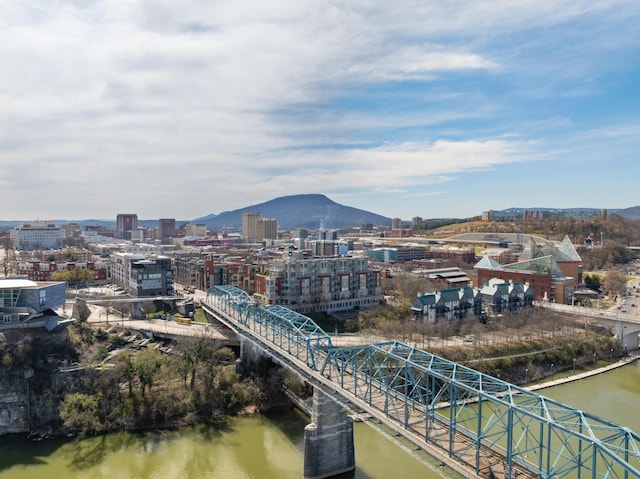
(292, 332)
(475, 418)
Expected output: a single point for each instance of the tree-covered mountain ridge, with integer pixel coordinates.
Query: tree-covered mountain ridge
(312, 211)
(615, 229)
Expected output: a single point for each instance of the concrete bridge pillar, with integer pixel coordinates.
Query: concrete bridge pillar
(328, 440)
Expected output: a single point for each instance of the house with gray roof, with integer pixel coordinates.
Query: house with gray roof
(500, 296)
(449, 304)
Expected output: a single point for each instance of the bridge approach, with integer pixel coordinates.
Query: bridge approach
(478, 424)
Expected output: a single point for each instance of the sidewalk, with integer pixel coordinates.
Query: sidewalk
(582, 375)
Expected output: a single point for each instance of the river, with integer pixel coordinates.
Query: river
(270, 446)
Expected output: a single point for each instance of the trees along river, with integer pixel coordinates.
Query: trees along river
(270, 447)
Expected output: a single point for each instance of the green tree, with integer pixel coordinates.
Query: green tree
(73, 276)
(128, 370)
(79, 413)
(147, 364)
(194, 352)
(593, 281)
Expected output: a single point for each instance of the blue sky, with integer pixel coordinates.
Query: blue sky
(172, 108)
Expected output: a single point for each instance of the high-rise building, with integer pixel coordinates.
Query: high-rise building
(266, 229)
(166, 228)
(250, 226)
(125, 224)
(396, 224)
(196, 229)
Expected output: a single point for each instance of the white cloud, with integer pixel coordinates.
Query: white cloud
(223, 104)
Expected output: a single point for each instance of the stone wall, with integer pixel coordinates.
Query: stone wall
(14, 409)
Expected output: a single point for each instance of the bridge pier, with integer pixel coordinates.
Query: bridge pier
(328, 440)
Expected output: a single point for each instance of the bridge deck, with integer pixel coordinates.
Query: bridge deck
(493, 427)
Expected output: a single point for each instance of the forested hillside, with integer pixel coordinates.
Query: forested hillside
(616, 229)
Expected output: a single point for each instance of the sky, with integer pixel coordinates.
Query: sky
(431, 108)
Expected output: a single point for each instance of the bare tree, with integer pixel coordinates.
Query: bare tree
(615, 281)
(8, 255)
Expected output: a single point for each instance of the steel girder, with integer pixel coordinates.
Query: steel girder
(482, 413)
(290, 331)
(475, 418)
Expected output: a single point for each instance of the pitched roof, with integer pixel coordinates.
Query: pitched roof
(450, 294)
(425, 299)
(567, 248)
(530, 250)
(487, 263)
(544, 265)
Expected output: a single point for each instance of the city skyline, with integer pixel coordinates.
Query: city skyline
(404, 109)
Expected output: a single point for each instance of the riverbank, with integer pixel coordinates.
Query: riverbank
(584, 374)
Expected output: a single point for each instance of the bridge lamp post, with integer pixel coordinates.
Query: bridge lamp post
(552, 371)
(526, 376)
(611, 355)
(574, 366)
(594, 360)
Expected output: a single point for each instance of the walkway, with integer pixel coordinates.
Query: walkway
(582, 375)
(467, 417)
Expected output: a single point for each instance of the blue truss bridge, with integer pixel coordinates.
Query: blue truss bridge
(480, 424)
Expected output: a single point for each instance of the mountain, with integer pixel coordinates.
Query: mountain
(312, 211)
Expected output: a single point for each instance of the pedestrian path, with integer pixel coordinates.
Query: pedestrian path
(584, 374)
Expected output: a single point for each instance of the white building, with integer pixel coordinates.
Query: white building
(37, 235)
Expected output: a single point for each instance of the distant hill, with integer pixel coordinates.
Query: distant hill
(632, 213)
(312, 211)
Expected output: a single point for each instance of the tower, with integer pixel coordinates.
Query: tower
(125, 224)
(250, 226)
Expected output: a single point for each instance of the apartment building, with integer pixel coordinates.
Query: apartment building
(319, 284)
(448, 304)
(494, 297)
(142, 275)
(198, 270)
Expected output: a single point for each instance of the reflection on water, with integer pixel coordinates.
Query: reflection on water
(613, 395)
(253, 447)
(268, 447)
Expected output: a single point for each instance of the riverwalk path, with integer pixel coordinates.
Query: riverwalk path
(583, 374)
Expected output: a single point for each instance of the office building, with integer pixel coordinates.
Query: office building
(125, 225)
(142, 275)
(166, 229)
(37, 235)
(266, 230)
(250, 226)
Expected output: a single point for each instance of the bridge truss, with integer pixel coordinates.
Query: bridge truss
(476, 419)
